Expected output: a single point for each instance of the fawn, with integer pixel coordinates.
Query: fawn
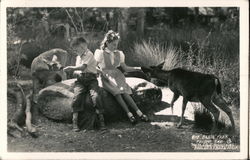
(194, 87)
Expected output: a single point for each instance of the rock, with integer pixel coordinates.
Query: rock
(55, 101)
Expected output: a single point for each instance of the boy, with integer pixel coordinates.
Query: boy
(85, 71)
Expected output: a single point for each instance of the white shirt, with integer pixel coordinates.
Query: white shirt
(88, 59)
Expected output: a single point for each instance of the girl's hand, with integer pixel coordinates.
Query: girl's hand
(68, 69)
(137, 68)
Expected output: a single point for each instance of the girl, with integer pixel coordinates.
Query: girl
(113, 80)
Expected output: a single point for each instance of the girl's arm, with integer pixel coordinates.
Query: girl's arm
(127, 68)
(99, 71)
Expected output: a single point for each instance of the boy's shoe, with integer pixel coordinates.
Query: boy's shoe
(102, 126)
(144, 118)
(75, 129)
(101, 121)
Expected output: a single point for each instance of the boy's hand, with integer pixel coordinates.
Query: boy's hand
(68, 69)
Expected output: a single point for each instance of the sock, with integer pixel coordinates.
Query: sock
(139, 113)
(129, 114)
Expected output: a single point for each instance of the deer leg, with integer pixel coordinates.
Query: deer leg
(184, 104)
(220, 102)
(175, 97)
(212, 109)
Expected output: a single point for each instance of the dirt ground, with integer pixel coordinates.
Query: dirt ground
(160, 135)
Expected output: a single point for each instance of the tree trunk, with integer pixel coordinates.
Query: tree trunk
(55, 102)
(196, 15)
(122, 22)
(140, 22)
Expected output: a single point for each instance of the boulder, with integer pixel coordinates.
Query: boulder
(55, 102)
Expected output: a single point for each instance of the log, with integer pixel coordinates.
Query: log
(55, 102)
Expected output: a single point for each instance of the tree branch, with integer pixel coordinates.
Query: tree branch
(72, 21)
(80, 19)
(19, 58)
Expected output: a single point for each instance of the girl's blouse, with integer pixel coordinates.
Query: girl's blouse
(100, 58)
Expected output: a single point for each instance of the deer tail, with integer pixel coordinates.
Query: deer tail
(218, 86)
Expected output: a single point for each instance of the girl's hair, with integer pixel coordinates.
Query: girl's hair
(108, 38)
(78, 40)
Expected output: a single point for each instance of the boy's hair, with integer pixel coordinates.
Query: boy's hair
(78, 40)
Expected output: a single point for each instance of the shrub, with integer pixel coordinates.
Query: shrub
(196, 49)
(202, 117)
(149, 54)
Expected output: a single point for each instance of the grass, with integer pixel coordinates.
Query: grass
(197, 49)
(202, 118)
(148, 53)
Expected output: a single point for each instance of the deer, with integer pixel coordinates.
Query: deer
(46, 69)
(193, 87)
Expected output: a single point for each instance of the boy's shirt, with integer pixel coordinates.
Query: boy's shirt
(88, 59)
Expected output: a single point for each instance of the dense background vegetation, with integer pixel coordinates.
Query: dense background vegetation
(201, 39)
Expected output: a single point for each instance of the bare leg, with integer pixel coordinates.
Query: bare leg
(122, 103)
(175, 97)
(132, 103)
(125, 108)
(184, 104)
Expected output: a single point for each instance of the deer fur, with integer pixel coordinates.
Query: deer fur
(194, 87)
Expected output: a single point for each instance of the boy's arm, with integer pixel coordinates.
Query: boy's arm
(82, 67)
(75, 68)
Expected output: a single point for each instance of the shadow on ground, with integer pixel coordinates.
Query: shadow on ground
(160, 135)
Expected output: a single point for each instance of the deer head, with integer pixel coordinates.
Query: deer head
(152, 70)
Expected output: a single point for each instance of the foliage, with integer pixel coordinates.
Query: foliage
(148, 53)
(28, 27)
(197, 50)
(173, 34)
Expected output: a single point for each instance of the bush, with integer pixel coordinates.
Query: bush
(150, 54)
(196, 49)
(202, 118)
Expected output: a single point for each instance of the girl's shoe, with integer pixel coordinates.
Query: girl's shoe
(144, 118)
(132, 120)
